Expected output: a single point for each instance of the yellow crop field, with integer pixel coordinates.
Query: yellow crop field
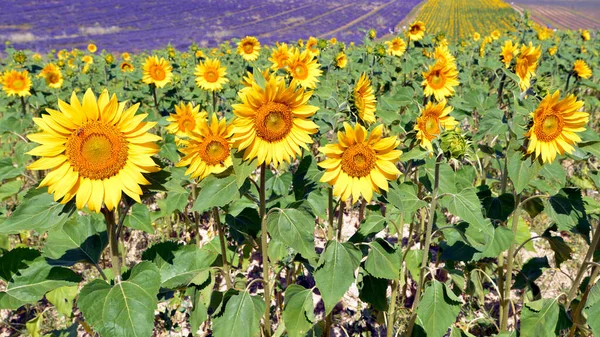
(459, 19)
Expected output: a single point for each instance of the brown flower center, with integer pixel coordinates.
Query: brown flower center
(248, 48)
(53, 78)
(358, 160)
(157, 73)
(273, 121)
(97, 150)
(214, 150)
(436, 79)
(549, 127)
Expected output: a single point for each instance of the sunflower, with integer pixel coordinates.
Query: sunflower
(585, 35)
(360, 164)
(92, 48)
(581, 69)
(555, 126)
(495, 35)
(552, 50)
(526, 64)
(312, 46)
(16, 83)
(280, 56)
(126, 56)
(200, 54)
(509, 51)
(440, 80)
(416, 31)
(210, 75)
(303, 67)
(433, 119)
(248, 80)
(396, 47)
(186, 119)
(53, 75)
(87, 59)
(273, 123)
(208, 150)
(94, 150)
(126, 67)
(333, 40)
(157, 72)
(442, 55)
(341, 60)
(249, 48)
(364, 99)
(476, 36)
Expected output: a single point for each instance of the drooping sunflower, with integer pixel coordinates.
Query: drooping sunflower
(396, 47)
(581, 69)
(249, 48)
(303, 67)
(126, 67)
(273, 123)
(508, 52)
(555, 126)
(440, 80)
(157, 71)
(341, 60)
(312, 45)
(526, 64)
(416, 31)
(434, 118)
(280, 56)
(210, 75)
(16, 83)
(208, 150)
(186, 119)
(92, 48)
(360, 164)
(95, 150)
(364, 99)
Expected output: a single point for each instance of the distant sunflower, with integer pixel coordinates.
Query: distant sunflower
(341, 60)
(581, 69)
(186, 119)
(555, 126)
(16, 83)
(312, 45)
(396, 47)
(585, 35)
(249, 48)
(360, 164)
(208, 150)
(87, 59)
(157, 72)
(126, 56)
(476, 36)
(434, 118)
(508, 52)
(92, 48)
(95, 150)
(280, 56)
(526, 64)
(126, 67)
(552, 50)
(495, 34)
(273, 123)
(440, 80)
(364, 99)
(52, 75)
(210, 75)
(416, 31)
(303, 67)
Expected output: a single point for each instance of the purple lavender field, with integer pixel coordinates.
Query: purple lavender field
(117, 25)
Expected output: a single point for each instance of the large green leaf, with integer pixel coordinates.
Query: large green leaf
(335, 271)
(521, 172)
(295, 228)
(567, 211)
(371, 225)
(62, 298)
(404, 197)
(383, 260)
(373, 290)
(438, 309)
(298, 311)
(539, 318)
(241, 317)
(140, 217)
(592, 309)
(125, 309)
(81, 239)
(216, 192)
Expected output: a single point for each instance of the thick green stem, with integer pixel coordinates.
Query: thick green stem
(505, 300)
(392, 309)
(111, 229)
(584, 266)
(568, 79)
(581, 304)
(330, 215)
(23, 106)
(340, 223)
(428, 231)
(214, 101)
(196, 215)
(361, 211)
(154, 96)
(223, 246)
(264, 249)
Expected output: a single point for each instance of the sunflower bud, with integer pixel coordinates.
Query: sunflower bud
(453, 144)
(372, 34)
(194, 47)
(19, 57)
(380, 50)
(109, 58)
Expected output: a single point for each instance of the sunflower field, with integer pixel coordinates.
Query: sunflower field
(406, 186)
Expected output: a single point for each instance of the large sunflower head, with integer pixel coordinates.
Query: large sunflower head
(249, 48)
(95, 150)
(416, 31)
(186, 119)
(434, 118)
(157, 71)
(273, 122)
(16, 83)
(396, 47)
(508, 52)
(555, 126)
(312, 45)
(280, 56)
(360, 164)
(208, 150)
(526, 64)
(341, 60)
(364, 99)
(440, 80)
(303, 67)
(210, 75)
(581, 69)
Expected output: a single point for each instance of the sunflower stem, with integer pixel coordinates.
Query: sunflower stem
(223, 246)
(196, 215)
(264, 248)
(392, 309)
(154, 96)
(340, 224)
(584, 265)
(23, 106)
(583, 301)
(361, 211)
(568, 79)
(214, 101)
(505, 299)
(331, 215)
(113, 243)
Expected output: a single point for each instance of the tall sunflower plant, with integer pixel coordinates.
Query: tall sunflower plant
(314, 187)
